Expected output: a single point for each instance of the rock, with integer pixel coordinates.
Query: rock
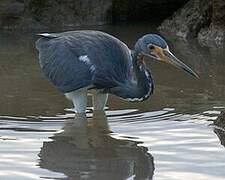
(47, 14)
(12, 9)
(204, 20)
(220, 128)
(188, 20)
(139, 10)
(69, 13)
(218, 17)
(220, 121)
(10, 13)
(213, 36)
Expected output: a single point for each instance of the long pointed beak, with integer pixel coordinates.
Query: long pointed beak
(171, 59)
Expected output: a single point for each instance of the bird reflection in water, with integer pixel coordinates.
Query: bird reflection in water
(85, 150)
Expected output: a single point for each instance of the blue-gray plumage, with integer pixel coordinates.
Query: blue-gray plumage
(78, 61)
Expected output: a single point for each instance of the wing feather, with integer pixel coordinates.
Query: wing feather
(62, 66)
(59, 59)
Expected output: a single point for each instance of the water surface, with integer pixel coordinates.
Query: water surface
(170, 136)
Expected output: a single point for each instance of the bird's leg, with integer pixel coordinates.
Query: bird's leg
(99, 101)
(79, 99)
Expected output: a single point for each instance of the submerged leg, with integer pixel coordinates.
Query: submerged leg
(79, 99)
(99, 101)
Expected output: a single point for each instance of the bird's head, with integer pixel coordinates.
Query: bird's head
(154, 46)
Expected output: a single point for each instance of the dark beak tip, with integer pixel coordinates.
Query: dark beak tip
(194, 74)
(197, 76)
(179, 64)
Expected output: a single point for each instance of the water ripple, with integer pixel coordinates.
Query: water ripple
(181, 144)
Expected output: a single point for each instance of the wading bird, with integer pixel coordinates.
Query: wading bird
(82, 62)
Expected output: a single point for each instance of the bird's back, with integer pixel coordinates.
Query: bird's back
(77, 59)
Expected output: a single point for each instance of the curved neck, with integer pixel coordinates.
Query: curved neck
(144, 82)
(139, 86)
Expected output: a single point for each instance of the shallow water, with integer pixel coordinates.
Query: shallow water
(170, 136)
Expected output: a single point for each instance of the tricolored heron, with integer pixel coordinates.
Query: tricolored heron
(82, 62)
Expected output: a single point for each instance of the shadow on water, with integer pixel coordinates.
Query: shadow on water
(85, 150)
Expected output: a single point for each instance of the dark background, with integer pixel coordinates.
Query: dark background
(201, 19)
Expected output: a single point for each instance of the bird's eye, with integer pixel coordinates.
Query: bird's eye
(151, 47)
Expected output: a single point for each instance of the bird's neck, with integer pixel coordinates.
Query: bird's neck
(140, 85)
(144, 81)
